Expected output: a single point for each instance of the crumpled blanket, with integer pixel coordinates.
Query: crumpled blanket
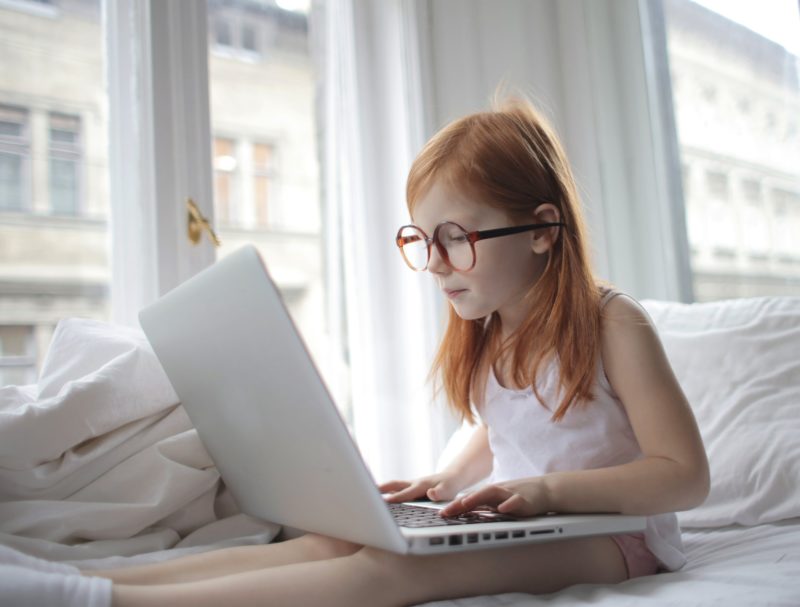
(98, 460)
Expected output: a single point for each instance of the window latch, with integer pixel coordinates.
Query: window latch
(197, 223)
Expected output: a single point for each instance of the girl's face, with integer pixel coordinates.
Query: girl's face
(505, 268)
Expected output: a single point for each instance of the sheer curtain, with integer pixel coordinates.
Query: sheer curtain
(370, 113)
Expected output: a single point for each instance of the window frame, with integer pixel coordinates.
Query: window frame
(160, 147)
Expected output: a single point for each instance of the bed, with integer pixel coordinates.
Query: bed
(72, 447)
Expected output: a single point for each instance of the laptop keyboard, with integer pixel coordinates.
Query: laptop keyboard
(407, 515)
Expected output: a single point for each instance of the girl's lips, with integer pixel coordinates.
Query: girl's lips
(453, 293)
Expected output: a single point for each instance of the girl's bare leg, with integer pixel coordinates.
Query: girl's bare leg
(226, 561)
(381, 579)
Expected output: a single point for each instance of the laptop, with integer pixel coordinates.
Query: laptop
(249, 386)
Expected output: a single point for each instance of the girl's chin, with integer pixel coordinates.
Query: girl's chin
(465, 313)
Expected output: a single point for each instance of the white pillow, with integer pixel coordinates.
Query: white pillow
(738, 362)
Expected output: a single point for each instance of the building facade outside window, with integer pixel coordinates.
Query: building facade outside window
(736, 94)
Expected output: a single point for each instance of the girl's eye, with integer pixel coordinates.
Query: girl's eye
(456, 238)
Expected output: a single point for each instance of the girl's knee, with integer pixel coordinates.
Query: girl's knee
(385, 567)
(324, 547)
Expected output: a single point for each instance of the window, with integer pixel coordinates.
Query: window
(735, 60)
(236, 34)
(17, 355)
(717, 185)
(222, 32)
(262, 179)
(65, 164)
(249, 41)
(225, 180)
(14, 159)
(787, 220)
(751, 189)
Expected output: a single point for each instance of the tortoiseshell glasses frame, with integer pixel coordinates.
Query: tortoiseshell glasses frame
(453, 250)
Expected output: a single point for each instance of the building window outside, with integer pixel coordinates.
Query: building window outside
(787, 216)
(263, 173)
(14, 159)
(17, 355)
(65, 164)
(222, 32)
(249, 39)
(718, 185)
(225, 180)
(234, 36)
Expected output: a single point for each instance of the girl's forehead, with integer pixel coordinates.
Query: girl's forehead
(442, 202)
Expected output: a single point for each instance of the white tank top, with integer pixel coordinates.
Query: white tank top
(525, 442)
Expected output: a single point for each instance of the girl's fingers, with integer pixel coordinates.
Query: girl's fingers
(514, 505)
(406, 495)
(487, 496)
(392, 486)
(440, 492)
(453, 508)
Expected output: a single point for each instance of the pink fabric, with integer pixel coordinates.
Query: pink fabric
(638, 558)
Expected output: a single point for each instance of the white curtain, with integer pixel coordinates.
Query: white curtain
(387, 316)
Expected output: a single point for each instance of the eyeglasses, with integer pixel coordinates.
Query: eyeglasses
(455, 245)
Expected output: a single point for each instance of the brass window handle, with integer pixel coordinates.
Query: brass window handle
(197, 223)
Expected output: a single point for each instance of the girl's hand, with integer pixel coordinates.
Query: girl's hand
(436, 487)
(524, 497)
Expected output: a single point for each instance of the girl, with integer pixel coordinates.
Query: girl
(576, 406)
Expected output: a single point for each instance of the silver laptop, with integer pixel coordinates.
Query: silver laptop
(245, 378)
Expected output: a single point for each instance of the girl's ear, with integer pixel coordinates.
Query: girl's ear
(543, 240)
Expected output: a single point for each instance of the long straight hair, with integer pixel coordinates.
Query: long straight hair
(511, 159)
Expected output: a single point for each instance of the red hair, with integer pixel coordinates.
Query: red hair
(511, 159)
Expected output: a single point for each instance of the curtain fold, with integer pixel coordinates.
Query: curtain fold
(386, 316)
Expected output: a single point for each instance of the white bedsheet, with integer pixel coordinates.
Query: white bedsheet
(731, 566)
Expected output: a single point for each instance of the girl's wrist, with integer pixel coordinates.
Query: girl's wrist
(548, 491)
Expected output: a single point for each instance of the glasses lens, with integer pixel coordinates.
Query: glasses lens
(456, 242)
(414, 247)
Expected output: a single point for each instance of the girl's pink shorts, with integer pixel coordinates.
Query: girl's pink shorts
(638, 558)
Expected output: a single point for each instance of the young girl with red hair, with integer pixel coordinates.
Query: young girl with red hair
(574, 404)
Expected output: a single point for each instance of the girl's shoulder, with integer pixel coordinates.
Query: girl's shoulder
(618, 304)
(624, 325)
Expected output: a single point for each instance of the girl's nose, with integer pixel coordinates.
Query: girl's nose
(436, 264)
